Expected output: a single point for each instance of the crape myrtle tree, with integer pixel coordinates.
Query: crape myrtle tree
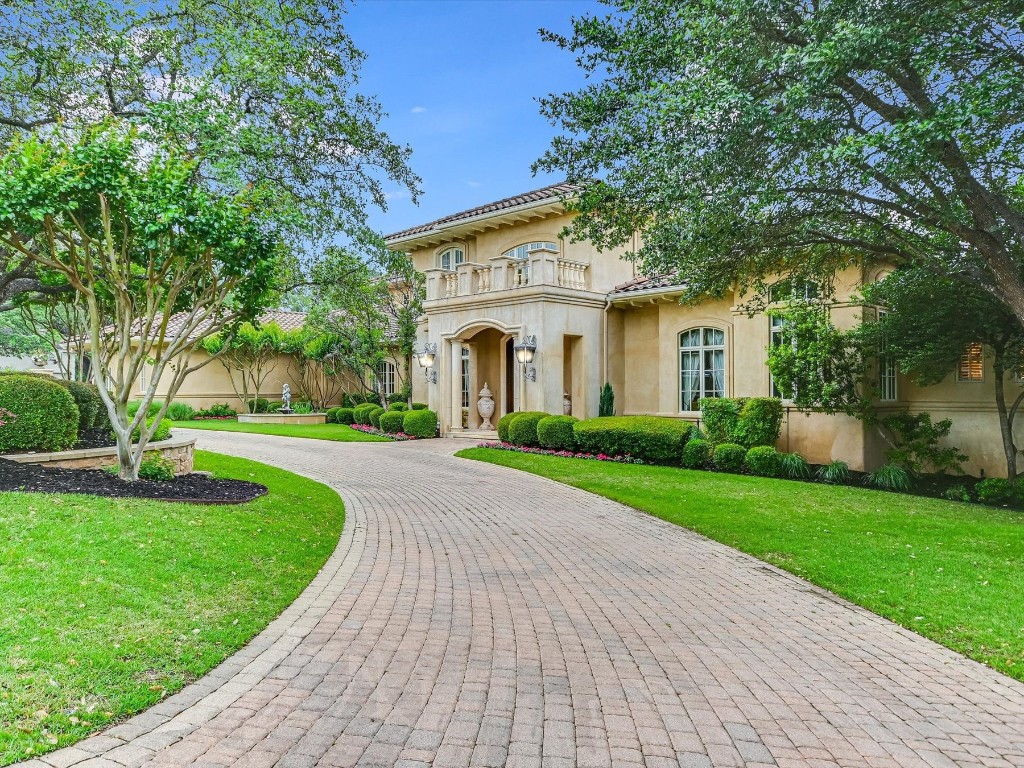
(261, 94)
(60, 324)
(248, 353)
(166, 261)
(746, 138)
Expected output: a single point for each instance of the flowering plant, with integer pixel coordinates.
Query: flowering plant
(370, 430)
(626, 459)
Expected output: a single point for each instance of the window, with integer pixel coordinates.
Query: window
(972, 363)
(385, 376)
(465, 377)
(792, 289)
(522, 253)
(451, 258)
(887, 389)
(779, 336)
(701, 366)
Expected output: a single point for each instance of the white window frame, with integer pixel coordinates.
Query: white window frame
(465, 377)
(701, 351)
(810, 290)
(445, 258)
(888, 378)
(385, 376)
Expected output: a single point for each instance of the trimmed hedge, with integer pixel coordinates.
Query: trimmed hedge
(332, 415)
(764, 460)
(46, 417)
(361, 413)
(259, 405)
(746, 421)
(719, 417)
(374, 415)
(391, 421)
(503, 424)
(343, 416)
(418, 407)
(729, 457)
(402, 406)
(522, 430)
(555, 432)
(696, 453)
(87, 398)
(420, 423)
(651, 438)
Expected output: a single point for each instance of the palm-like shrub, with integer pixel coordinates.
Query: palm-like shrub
(794, 466)
(889, 478)
(834, 472)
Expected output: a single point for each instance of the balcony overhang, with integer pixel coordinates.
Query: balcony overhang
(475, 225)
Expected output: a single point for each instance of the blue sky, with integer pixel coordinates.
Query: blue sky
(459, 79)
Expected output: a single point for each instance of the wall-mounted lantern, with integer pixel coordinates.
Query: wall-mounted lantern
(426, 360)
(525, 350)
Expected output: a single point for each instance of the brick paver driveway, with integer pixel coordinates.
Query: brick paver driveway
(473, 615)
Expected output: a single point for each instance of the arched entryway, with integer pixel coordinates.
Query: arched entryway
(481, 354)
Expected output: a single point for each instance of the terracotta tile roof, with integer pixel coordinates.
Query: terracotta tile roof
(552, 192)
(289, 321)
(652, 283)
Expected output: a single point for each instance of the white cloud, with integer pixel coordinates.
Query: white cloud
(418, 110)
(473, 184)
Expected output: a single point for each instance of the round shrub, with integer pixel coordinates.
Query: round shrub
(156, 467)
(555, 432)
(420, 423)
(398, 407)
(180, 412)
(87, 398)
(764, 460)
(259, 405)
(696, 454)
(418, 407)
(45, 415)
(522, 430)
(374, 416)
(729, 457)
(332, 415)
(503, 424)
(391, 421)
(361, 413)
(343, 416)
(650, 438)
(995, 490)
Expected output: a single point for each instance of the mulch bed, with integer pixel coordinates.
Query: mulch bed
(195, 488)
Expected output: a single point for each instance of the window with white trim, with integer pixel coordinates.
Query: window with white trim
(972, 363)
(385, 375)
(701, 366)
(793, 289)
(451, 258)
(465, 377)
(887, 381)
(779, 335)
(522, 253)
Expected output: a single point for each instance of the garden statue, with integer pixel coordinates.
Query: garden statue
(485, 407)
(566, 404)
(286, 400)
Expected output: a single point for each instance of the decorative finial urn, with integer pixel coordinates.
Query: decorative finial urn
(566, 404)
(485, 407)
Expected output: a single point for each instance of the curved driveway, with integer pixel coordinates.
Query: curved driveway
(473, 615)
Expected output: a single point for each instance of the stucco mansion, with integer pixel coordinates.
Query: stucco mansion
(499, 275)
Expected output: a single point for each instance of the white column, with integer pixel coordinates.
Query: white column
(456, 388)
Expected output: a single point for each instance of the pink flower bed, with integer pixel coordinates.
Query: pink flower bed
(370, 430)
(214, 418)
(561, 454)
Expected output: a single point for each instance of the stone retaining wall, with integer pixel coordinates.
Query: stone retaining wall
(179, 450)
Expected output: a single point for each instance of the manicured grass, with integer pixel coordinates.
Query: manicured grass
(953, 572)
(337, 432)
(108, 605)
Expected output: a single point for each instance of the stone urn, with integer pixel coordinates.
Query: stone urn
(566, 404)
(485, 407)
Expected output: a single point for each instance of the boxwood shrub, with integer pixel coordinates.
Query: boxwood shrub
(46, 417)
(650, 438)
(391, 421)
(180, 412)
(719, 417)
(746, 421)
(163, 430)
(764, 460)
(555, 432)
(374, 416)
(87, 398)
(503, 424)
(343, 416)
(361, 413)
(522, 430)
(420, 423)
(418, 407)
(696, 453)
(400, 406)
(332, 415)
(997, 490)
(729, 457)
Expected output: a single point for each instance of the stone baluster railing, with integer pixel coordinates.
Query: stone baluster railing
(572, 274)
(451, 285)
(482, 277)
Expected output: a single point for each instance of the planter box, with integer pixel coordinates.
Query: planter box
(282, 418)
(179, 450)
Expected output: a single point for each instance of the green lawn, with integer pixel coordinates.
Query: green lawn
(337, 432)
(953, 572)
(108, 605)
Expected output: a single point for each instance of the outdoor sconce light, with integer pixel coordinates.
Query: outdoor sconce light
(426, 361)
(525, 350)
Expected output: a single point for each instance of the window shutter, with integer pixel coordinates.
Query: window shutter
(972, 363)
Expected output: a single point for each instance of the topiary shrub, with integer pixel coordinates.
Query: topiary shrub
(374, 416)
(391, 421)
(696, 454)
(45, 415)
(719, 417)
(87, 398)
(759, 423)
(729, 457)
(503, 424)
(400, 406)
(763, 460)
(995, 490)
(418, 407)
(180, 412)
(606, 404)
(332, 415)
(343, 416)
(361, 413)
(420, 423)
(523, 428)
(650, 438)
(555, 432)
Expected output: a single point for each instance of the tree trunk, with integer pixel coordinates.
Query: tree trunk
(1005, 421)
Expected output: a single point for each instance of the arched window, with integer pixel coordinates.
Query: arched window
(450, 258)
(793, 289)
(524, 250)
(701, 366)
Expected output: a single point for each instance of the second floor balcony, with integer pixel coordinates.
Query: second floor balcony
(505, 273)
